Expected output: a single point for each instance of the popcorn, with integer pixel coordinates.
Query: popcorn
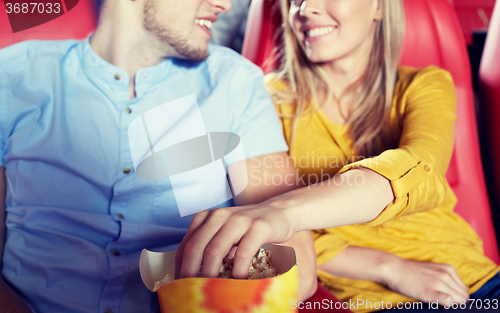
(260, 268)
(168, 279)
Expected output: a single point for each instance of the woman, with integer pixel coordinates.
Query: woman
(342, 98)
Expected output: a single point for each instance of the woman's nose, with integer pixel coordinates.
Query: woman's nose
(310, 7)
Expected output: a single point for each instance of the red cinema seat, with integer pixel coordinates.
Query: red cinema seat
(433, 37)
(489, 94)
(473, 15)
(78, 21)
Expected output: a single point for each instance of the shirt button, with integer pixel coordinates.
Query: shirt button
(118, 76)
(108, 311)
(115, 252)
(427, 168)
(120, 216)
(128, 110)
(126, 170)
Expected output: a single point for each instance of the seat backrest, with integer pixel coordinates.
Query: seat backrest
(433, 37)
(77, 22)
(489, 94)
(473, 15)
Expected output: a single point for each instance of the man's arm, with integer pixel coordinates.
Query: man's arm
(9, 300)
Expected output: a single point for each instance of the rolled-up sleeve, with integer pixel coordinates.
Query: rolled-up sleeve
(416, 169)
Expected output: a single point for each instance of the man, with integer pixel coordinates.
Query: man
(229, 31)
(77, 216)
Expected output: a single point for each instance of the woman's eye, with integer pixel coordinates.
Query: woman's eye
(297, 2)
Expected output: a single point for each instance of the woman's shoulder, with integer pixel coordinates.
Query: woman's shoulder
(281, 93)
(276, 83)
(421, 87)
(415, 77)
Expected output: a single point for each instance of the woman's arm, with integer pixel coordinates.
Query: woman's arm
(402, 181)
(261, 173)
(423, 281)
(357, 196)
(212, 233)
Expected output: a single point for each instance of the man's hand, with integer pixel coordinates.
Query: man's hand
(425, 281)
(212, 234)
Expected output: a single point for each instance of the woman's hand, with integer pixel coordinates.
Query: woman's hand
(212, 234)
(425, 281)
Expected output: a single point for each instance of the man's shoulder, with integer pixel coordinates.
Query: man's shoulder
(222, 58)
(23, 52)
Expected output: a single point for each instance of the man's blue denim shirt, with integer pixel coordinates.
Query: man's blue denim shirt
(77, 217)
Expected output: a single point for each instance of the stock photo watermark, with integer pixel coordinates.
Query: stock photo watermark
(26, 14)
(323, 169)
(363, 304)
(207, 169)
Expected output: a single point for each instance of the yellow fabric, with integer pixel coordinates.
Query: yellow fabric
(420, 223)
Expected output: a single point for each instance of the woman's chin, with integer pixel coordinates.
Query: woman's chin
(318, 58)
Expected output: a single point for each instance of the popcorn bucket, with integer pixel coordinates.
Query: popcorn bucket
(220, 295)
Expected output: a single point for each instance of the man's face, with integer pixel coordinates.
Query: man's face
(183, 26)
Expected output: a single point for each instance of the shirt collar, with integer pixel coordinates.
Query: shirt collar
(99, 68)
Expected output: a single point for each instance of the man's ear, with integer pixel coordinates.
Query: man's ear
(379, 10)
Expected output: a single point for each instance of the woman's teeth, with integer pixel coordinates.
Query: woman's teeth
(319, 31)
(206, 23)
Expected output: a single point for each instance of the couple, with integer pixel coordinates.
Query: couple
(77, 217)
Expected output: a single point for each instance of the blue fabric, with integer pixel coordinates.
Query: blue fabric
(490, 290)
(64, 144)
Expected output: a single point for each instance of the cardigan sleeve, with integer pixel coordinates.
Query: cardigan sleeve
(416, 169)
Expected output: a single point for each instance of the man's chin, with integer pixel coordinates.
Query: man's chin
(194, 55)
(198, 56)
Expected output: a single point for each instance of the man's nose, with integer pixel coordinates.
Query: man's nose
(222, 5)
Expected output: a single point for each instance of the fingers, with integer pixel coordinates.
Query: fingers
(447, 290)
(248, 246)
(457, 290)
(232, 252)
(212, 235)
(198, 220)
(220, 246)
(454, 275)
(195, 247)
(444, 299)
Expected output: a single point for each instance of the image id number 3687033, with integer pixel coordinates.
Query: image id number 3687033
(473, 304)
(33, 7)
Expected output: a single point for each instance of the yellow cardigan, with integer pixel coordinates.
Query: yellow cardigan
(420, 223)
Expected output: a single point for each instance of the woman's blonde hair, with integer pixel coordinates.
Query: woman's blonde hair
(369, 110)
